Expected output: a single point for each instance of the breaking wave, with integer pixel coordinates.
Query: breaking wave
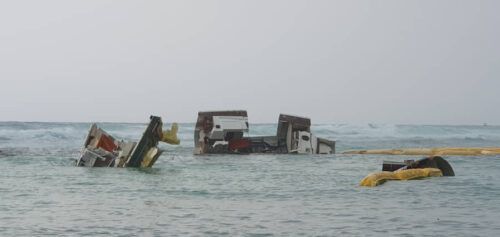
(348, 136)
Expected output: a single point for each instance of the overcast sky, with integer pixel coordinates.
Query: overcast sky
(403, 62)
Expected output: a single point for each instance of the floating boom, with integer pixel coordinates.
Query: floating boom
(379, 178)
(434, 166)
(447, 151)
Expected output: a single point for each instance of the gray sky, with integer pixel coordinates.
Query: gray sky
(421, 62)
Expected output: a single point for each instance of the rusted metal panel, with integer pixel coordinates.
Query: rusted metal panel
(205, 119)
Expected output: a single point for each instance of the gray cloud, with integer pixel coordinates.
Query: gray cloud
(334, 61)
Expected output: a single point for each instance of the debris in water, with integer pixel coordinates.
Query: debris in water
(222, 132)
(102, 150)
(427, 167)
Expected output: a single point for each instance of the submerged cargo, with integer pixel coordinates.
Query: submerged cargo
(220, 132)
(102, 150)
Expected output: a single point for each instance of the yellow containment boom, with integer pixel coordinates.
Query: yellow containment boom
(379, 178)
(447, 151)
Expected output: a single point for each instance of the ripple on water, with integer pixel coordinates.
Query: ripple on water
(255, 195)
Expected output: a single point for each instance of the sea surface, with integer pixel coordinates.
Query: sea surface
(42, 193)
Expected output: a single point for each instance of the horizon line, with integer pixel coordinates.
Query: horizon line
(327, 123)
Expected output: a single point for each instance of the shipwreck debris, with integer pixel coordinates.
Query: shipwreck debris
(222, 132)
(102, 150)
(428, 162)
(434, 166)
(379, 178)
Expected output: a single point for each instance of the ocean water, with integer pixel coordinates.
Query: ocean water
(42, 193)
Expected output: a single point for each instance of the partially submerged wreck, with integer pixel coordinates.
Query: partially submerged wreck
(222, 132)
(434, 166)
(102, 150)
(437, 162)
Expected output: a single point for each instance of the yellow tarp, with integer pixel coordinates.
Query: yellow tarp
(450, 151)
(378, 178)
